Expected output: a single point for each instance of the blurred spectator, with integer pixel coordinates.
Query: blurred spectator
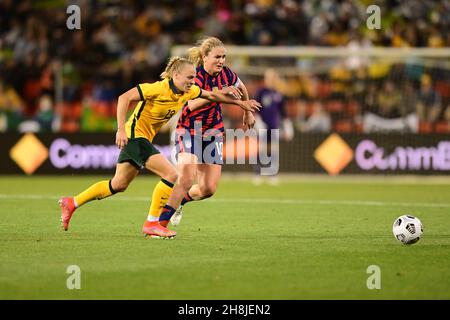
(318, 122)
(389, 99)
(429, 101)
(157, 51)
(408, 99)
(435, 39)
(11, 109)
(45, 114)
(340, 77)
(370, 100)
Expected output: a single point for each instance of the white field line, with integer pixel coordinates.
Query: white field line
(257, 200)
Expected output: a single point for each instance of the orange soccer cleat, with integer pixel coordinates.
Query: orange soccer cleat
(155, 230)
(67, 209)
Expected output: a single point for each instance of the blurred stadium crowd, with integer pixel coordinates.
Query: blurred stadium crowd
(122, 43)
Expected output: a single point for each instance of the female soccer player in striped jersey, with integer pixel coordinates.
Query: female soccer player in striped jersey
(200, 153)
(158, 102)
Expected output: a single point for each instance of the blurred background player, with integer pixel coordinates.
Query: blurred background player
(159, 101)
(271, 116)
(212, 75)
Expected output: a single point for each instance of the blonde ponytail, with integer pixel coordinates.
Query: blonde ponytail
(202, 48)
(195, 56)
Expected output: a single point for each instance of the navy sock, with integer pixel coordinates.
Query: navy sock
(186, 198)
(167, 213)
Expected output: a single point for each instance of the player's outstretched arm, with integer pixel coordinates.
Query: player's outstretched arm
(249, 105)
(248, 120)
(122, 108)
(232, 91)
(197, 103)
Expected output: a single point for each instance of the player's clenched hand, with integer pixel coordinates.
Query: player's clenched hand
(233, 92)
(121, 138)
(250, 105)
(249, 120)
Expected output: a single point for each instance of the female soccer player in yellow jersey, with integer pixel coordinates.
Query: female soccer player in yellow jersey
(159, 101)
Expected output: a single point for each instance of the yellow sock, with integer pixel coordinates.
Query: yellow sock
(99, 190)
(161, 194)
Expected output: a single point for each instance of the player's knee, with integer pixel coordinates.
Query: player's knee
(208, 190)
(119, 185)
(171, 176)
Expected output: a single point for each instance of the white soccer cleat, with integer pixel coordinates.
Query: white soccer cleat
(176, 218)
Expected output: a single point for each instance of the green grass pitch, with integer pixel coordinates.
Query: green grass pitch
(304, 239)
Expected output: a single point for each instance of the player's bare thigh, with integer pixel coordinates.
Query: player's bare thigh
(125, 173)
(159, 165)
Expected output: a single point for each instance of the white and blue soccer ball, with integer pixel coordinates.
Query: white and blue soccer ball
(407, 229)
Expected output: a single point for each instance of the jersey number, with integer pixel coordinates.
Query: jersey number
(169, 114)
(219, 148)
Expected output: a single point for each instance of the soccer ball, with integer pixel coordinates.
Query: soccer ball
(407, 229)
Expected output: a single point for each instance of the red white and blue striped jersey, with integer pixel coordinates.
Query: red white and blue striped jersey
(211, 114)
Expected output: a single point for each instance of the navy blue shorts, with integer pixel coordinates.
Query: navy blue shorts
(207, 149)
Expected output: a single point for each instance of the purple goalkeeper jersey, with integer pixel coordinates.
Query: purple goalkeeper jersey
(272, 107)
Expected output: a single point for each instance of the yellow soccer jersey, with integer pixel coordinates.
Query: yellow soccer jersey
(160, 101)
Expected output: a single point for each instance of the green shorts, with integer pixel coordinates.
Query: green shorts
(137, 151)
